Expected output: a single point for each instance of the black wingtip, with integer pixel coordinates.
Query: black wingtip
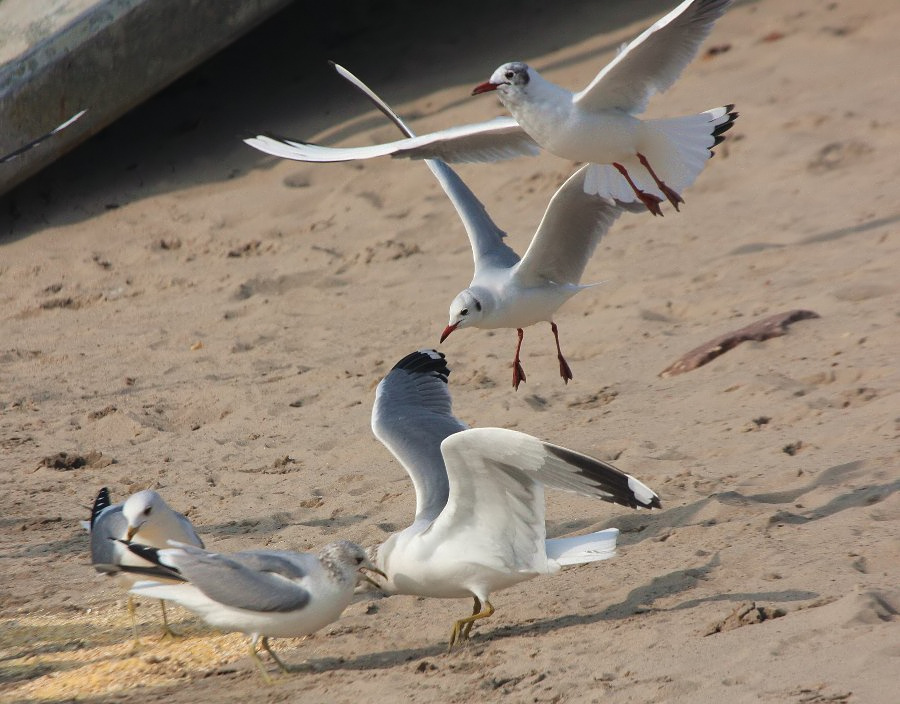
(720, 129)
(149, 553)
(425, 362)
(609, 479)
(101, 502)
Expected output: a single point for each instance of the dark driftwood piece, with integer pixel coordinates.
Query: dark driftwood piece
(773, 326)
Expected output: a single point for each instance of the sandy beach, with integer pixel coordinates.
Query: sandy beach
(183, 313)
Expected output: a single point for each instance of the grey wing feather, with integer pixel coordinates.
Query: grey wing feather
(256, 581)
(412, 415)
(111, 523)
(652, 62)
(485, 237)
(568, 234)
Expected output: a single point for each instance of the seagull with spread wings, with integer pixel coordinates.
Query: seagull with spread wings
(479, 523)
(634, 160)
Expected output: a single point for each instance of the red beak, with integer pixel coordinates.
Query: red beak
(485, 87)
(447, 331)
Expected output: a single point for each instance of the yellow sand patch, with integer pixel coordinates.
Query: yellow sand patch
(67, 655)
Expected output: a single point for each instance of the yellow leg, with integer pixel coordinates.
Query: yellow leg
(462, 627)
(258, 661)
(476, 608)
(136, 643)
(265, 644)
(167, 632)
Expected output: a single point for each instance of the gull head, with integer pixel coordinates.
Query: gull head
(509, 78)
(349, 559)
(140, 508)
(466, 309)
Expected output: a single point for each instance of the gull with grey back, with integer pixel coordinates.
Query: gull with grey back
(145, 518)
(479, 523)
(263, 593)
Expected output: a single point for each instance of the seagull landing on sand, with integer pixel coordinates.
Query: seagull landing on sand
(506, 291)
(634, 160)
(263, 593)
(479, 524)
(143, 518)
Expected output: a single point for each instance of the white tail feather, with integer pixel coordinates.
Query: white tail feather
(680, 146)
(677, 149)
(583, 548)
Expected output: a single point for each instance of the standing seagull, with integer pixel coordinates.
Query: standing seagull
(506, 291)
(643, 160)
(263, 593)
(144, 518)
(479, 524)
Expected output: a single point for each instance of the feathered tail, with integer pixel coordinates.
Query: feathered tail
(676, 148)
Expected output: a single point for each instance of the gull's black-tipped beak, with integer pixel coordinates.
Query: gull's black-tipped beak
(485, 87)
(448, 330)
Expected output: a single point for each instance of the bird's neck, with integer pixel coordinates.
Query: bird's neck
(538, 94)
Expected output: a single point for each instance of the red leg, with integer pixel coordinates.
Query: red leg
(564, 370)
(651, 201)
(674, 198)
(518, 372)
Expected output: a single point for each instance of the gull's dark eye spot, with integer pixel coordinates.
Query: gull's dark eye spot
(510, 74)
(464, 311)
(359, 560)
(147, 511)
(477, 305)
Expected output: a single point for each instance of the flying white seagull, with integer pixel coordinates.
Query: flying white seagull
(143, 518)
(634, 159)
(263, 593)
(479, 524)
(506, 291)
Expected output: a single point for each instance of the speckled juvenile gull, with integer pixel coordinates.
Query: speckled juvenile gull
(263, 593)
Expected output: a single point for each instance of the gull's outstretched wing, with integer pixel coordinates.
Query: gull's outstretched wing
(492, 140)
(412, 415)
(551, 465)
(569, 232)
(652, 62)
(485, 237)
(496, 502)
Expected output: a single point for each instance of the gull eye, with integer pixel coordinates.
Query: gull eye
(359, 560)
(147, 511)
(464, 311)
(509, 75)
